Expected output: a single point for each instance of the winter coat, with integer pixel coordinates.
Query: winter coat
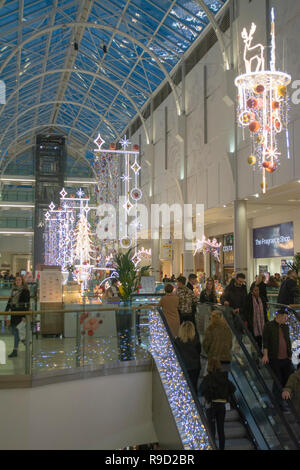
(236, 296)
(249, 313)
(271, 339)
(293, 386)
(287, 292)
(216, 386)
(217, 341)
(204, 298)
(189, 352)
(23, 305)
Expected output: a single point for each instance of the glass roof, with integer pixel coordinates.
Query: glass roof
(80, 67)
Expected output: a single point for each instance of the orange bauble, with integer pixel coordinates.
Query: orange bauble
(272, 167)
(275, 105)
(112, 146)
(254, 126)
(266, 165)
(136, 148)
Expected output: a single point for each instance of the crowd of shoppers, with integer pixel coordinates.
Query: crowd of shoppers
(248, 310)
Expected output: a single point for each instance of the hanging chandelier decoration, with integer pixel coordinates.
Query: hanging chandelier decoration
(263, 104)
(208, 246)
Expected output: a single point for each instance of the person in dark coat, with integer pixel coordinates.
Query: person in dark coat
(288, 289)
(189, 348)
(208, 295)
(235, 296)
(278, 350)
(255, 314)
(217, 391)
(19, 301)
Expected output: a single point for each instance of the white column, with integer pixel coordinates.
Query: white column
(240, 237)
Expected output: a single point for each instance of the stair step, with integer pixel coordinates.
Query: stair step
(238, 444)
(235, 430)
(232, 415)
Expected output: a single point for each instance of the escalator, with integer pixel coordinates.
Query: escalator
(254, 420)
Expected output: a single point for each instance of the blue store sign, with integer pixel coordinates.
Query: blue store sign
(274, 241)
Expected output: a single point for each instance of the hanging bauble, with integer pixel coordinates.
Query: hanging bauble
(136, 148)
(266, 164)
(275, 105)
(281, 90)
(136, 194)
(112, 146)
(252, 103)
(278, 125)
(125, 242)
(254, 126)
(259, 89)
(245, 118)
(272, 167)
(260, 139)
(252, 160)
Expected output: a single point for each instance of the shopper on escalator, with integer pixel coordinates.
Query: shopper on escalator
(217, 342)
(189, 348)
(288, 289)
(235, 296)
(187, 301)
(291, 390)
(256, 315)
(169, 304)
(278, 351)
(217, 391)
(208, 295)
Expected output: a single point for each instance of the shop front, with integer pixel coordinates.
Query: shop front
(223, 269)
(273, 249)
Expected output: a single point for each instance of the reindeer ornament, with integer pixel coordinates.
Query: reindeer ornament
(253, 53)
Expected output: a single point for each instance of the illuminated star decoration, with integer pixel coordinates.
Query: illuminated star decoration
(125, 142)
(208, 246)
(80, 193)
(99, 142)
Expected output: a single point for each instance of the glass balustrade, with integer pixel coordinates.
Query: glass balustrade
(16, 222)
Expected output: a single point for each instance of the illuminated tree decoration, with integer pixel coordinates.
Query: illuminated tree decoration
(112, 184)
(263, 104)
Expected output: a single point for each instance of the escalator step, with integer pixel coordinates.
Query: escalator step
(235, 430)
(232, 415)
(238, 444)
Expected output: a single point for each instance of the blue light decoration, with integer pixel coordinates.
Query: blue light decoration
(190, 427)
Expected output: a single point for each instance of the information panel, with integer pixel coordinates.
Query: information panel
(274, 241)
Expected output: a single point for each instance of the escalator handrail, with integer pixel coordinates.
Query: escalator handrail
(257, 373)
(288, 307)
(188, 380)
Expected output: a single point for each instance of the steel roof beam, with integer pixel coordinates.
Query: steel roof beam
(104, 28)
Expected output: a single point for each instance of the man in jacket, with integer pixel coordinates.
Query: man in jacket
(187, 300)
(288, 289)
(278, 351)
(292, 390)
(235, 296)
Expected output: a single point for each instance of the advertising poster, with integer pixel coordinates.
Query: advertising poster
(274, 241)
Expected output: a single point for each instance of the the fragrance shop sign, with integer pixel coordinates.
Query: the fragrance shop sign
(274, 241)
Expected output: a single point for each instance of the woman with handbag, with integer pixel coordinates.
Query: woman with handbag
(19, 301)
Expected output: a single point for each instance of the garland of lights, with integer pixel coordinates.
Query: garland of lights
(263, 104)
(131, 191)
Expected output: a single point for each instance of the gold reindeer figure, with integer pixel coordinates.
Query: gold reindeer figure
(253, 53)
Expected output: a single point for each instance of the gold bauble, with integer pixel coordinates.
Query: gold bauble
(252, 160)
(263, 185)
(282, 89)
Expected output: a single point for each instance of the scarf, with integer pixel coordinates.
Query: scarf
(15, 294)
(258, 317)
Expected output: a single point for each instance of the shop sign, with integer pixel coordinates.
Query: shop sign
(227, 248)
(274, 241)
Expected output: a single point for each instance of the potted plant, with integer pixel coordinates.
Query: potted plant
(129, 276)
